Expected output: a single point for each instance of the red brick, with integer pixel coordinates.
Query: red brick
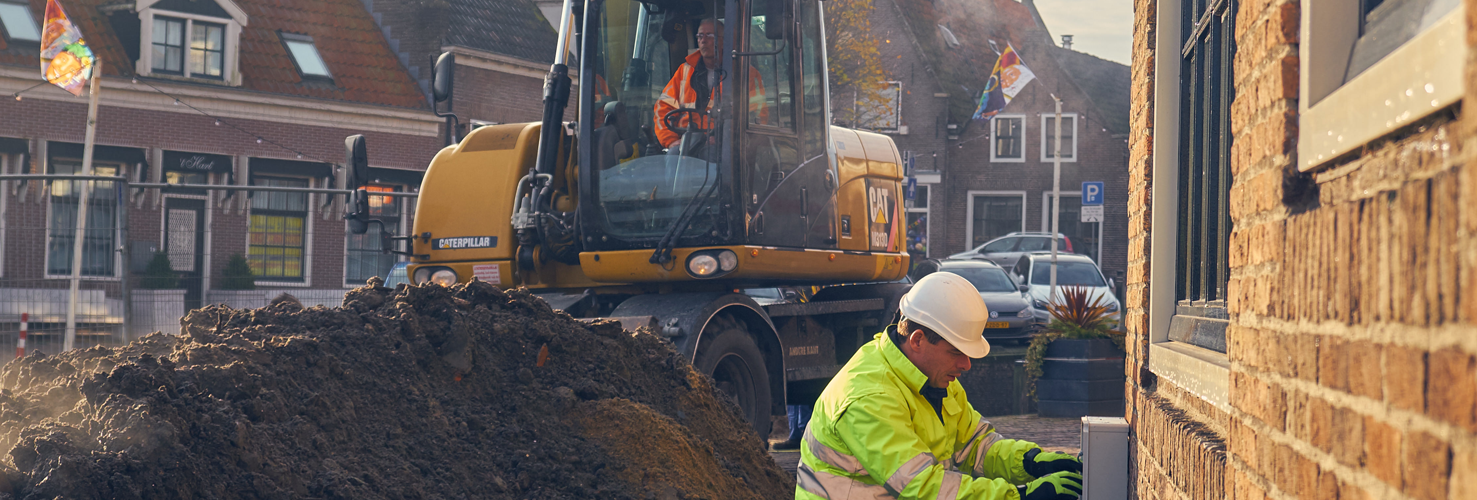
(1426, 464)
(1404, 371)
(1382, 450)
(1453, 397)
(1363, 369)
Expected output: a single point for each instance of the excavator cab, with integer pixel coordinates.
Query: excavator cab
(751, 169)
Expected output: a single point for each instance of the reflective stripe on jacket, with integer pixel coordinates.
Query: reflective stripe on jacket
(680, 94)
(874, 436)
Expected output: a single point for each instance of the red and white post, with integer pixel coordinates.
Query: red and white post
(20, 344)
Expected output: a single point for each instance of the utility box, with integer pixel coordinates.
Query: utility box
(1104, 458)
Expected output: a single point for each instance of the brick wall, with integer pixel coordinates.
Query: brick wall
(1353, 367)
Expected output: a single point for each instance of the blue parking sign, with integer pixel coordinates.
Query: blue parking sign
(1092, 193)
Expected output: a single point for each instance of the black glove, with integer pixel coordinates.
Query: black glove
(1059, 486)
(1043, 463)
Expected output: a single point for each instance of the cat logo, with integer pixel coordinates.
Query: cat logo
(877, 199)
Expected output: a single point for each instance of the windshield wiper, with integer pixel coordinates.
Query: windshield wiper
(663, 253)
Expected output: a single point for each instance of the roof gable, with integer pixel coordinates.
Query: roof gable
(201, 7)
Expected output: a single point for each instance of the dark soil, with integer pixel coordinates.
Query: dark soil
(419, 392)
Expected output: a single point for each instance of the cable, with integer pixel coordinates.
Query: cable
(219, 121)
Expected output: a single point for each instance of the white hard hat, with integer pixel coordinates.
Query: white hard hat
(949, 305)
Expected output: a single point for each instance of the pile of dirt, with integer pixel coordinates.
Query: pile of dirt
(418, 392)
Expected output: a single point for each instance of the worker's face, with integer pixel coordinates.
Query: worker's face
(941, 362)
(709, 40)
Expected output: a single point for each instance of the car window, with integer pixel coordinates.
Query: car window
(1036, 245)
(1000, 245)
(1067, 274)
(984, 279)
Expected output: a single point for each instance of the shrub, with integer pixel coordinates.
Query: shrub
(1073, 317)
(159, 275)
(237, 275)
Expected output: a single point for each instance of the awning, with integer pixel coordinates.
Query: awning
(10, 146)
(73, 150)
(411, 178)
(271, 166)
(179, 161)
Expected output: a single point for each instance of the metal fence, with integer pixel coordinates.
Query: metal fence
(147, 257)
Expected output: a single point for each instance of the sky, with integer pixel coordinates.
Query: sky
(1103, 28)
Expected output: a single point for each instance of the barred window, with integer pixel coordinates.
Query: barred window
(1207, 89)
(366, 258)
(101, 236)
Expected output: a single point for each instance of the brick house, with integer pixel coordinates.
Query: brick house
(981, 179)
(1301, 269)
(238, 92)
(503, 51)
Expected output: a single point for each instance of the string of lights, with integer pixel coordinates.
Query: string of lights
(218, 120)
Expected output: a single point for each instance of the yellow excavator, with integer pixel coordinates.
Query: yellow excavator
(718, 242)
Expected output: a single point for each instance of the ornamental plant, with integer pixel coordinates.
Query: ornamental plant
(1076, 315)
(159, 275)
(237, 275)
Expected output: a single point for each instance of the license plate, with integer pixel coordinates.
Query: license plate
(997, 324)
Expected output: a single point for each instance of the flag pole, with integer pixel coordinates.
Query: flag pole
(79, 236)
(1056, 195)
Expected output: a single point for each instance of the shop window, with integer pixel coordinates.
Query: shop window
(1069, 136)
(365, 257)
(277, 238)
(101, 236)
(993, 215)
(305, 56)
(20, 25)
(918, 222)
(1008, 144)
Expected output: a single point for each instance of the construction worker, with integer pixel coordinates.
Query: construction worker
(895, 423)
(689, 85)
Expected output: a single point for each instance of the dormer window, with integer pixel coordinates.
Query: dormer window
(19, 25)
(196, 39)
(305, 56)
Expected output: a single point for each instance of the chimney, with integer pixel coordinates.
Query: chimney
(1067, 42)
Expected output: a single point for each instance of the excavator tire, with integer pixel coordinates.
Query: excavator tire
(730, 356)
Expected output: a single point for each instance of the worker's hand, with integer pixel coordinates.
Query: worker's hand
(1059, 486)
(1043, 463)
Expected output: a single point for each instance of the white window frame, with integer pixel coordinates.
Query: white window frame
(969, 212)
(308, 229)
(1047, 131)
(1200, 371)
(117, 228)
(400, 228)
(230, 66)
(994, 158)
(1425, 75)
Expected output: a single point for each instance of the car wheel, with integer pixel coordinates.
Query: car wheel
(730, 356)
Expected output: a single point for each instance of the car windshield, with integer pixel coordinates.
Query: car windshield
(985, 279)
(1067, 274)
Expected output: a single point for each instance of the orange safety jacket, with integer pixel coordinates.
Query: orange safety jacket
(680, 94)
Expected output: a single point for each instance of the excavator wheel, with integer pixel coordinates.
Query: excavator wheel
(729, 355)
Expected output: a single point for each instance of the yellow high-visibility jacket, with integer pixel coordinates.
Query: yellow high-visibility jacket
(873, 435)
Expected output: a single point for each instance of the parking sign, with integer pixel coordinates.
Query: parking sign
(1092, 193)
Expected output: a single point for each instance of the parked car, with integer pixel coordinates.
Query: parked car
(1005, 250)
(1011, 314)
(1034, 271)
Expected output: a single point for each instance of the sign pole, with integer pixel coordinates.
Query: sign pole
(1056, 195)
(80, 234)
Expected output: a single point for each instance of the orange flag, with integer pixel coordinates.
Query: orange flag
(66, 61)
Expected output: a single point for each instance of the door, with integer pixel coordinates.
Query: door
(184, 243)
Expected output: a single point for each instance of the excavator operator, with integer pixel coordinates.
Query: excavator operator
(689, 85)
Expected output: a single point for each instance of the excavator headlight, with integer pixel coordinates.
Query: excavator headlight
(727, 260)
(702, 265)
(444, 277)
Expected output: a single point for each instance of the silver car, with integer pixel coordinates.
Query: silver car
(1005, 250)
(1011, 314)
(1034, 270)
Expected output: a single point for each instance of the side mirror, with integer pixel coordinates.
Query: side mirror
(777, 19)
(442, 77)
(1023, 288)
(1112, 285)
(356, 158)
(358, 209)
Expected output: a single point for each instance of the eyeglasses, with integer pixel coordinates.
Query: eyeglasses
(707, 36)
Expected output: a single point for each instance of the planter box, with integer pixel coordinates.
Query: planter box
(1081, 378)
(156, 311)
